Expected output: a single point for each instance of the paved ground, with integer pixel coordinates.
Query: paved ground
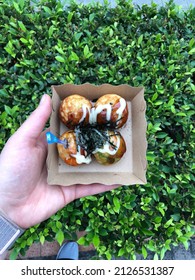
(49, 250)
(177, 253)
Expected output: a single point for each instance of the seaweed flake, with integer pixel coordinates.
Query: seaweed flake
(91, 137)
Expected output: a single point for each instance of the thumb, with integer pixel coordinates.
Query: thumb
(34, 125)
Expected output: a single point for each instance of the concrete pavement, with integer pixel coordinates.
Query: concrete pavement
(49, 250)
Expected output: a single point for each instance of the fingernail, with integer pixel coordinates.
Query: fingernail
(42, 99)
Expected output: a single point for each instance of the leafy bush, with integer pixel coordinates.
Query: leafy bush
(43, 44)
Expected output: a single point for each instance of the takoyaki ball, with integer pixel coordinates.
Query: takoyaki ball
(110, 154)
(73, 154)
(74, 109)
(113, 109)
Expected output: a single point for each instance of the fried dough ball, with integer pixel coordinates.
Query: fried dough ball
(73, 155)
(111, 108)
(74, 109)
(110, 154)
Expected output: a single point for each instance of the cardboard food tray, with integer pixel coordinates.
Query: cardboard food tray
(131, 169)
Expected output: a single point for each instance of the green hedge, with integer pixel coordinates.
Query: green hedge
(44, 44)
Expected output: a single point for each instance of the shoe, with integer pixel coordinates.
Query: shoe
(68, 251)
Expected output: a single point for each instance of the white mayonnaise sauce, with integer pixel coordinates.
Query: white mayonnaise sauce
(85, 109)
(81, 158)
(121, 108)
(107, 146)
(93, 113)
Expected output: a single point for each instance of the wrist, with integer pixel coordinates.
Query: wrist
(9, 233)
(11, 214)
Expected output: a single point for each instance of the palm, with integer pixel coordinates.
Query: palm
(26, 191)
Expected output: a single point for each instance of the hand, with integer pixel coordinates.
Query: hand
(25, 196)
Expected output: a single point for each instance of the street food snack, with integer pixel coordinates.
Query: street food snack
(71, 110)
(112, 150)
(93, 129)
(108, 147)
(73, 154)
(110, 109)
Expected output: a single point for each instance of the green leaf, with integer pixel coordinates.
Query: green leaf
(100, 213)
(167, 244)
(181, 114)
(91, 198)
(87, 52)
(32, 229)
(96, 241)
(42, 239)
(60, 50)
(73, 56)
(156, 127)
(155, 96)
(158, 219)
(60, 58)
(140, 39)
(108, 255)
(116, 204)
(70, 15)
(8, 110)
(58, 224)
(77, 36)
(144, 252)
(16, 6)
(183, 239)
(14, 254)
(162, 253)
(171, 101)
(150, 156)
(22, 26)
(168, 223)
(51, 30)
(21, 3)
(161, 210)
(47, 10)
(121, 252)
(170, 154)
(30, 241)
(176, 217)
(147, 232)
(191, 43)
(159, 102)
(161, 135)
(10, 49)
(91, 17)
(186, 244)
(23, 40)
(192, 51)
(81, 240)
(60, 237)
(103, 232)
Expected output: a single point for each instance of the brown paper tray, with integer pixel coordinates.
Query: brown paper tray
(131, 169)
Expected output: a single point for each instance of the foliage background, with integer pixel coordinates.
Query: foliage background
(47, 43)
